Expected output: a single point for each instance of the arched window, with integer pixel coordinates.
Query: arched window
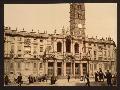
(59, 47)
(76, 48)
(68, 45)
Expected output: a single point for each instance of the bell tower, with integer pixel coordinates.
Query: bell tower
(77, 19)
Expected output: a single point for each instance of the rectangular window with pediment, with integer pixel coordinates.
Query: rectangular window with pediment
(19, 47)
(27, 65)
(27, 41)
(18, 65)
(41, 49)
(40, 65)
(35, 65)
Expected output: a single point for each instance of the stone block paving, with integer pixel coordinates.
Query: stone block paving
(64, 82)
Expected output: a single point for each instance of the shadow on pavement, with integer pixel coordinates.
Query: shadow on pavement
(92, 84)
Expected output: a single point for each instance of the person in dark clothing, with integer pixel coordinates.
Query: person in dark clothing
(68, 78)
(19, 80)
(29, 78)
(52, 80)
(109, 77)
(101, 75)
(88, 82)
(96, 77)
(46, 77)
(6, 80)
(34, 79)
(114, 80)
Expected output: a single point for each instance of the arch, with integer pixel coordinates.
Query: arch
(68, 45)
(76, 46)
(59, 46)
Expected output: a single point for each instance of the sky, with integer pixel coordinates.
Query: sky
(101, 18)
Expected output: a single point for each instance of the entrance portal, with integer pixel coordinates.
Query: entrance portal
(50, 68)
(84, 68)
(59, 71)
(59, 68)
(68, 68)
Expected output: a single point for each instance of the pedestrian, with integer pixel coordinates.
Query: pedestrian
(6, 80)
(29, 78)
(101, 75)
(84, 77)
(109, 77)
(52, 79)
(88, 82)
(114, 79)
(34, 79)
(19, 80)
(96, 77)
(46, 77)
(68, 78)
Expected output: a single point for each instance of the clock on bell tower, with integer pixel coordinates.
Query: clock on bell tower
(77, 19)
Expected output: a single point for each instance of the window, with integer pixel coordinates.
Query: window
(27, 41)
(27, 65)
(41, 49)
(40, 66)
(76, 48)
(108, 46)
(95, 53)
(19, 48)
(34, 65)
(68, 45)
(104, 53)
(59, 47)
(18, 65)
(35, 49)
(109, 53)
(49, 48)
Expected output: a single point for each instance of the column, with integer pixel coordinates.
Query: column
(64, 68)
(46, 67)
(72, 47)
(64, 46)
(74, 69)
(81, 70)
(55, 68)
(71, 69)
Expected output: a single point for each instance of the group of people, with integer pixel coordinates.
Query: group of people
(31, 79)
(18, 80)
(100, 76)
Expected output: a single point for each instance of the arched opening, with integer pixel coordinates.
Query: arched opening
(59, 47)
(76, 48)
(68, 45)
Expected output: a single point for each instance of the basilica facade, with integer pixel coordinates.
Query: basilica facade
(70, 52)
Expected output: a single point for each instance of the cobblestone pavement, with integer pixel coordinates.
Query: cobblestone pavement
(64, 82)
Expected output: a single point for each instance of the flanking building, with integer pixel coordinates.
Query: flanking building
(70, 52)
